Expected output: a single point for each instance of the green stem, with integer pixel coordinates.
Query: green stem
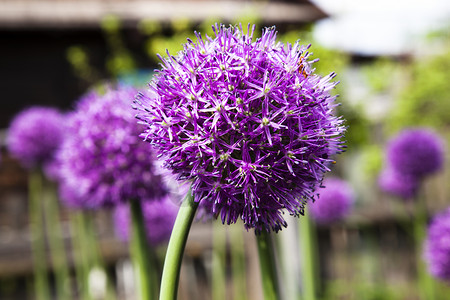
(95, 256)
(218, 265)
(268, 266)
(56, 242)
(37, 236)
(81, 254)
(175, 249)
(307, 244)
(238, 262)
(142, 254)
(420, 224)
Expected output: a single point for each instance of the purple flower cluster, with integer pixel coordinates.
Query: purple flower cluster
(411, 155)
(416, 152)
(104, 162)
(335, 201)
(437, 246)
(246, 121)
(397, 184)
(159, 217)
(35, 134)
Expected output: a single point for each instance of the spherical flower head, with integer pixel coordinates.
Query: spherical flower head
(335, 201)
(416, 152)
(35, 134)
(398, 184)
(437, 246)
(159, 217)
(246, 121)
(104, 162)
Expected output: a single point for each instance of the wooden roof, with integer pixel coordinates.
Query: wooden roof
(28, 14)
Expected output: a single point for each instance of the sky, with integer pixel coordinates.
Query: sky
(380, 27)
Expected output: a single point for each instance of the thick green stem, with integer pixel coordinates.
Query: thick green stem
(142, 254)
(37, 236)
(307, 244)
(175, 249)
(81, 254)
(267, 263)
(57, 248)
(426, 283)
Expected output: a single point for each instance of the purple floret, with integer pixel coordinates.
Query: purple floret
(246, 121)
(416, 152)
(437, 246)
(334, 203)
(159, 217)
(103, 162)
(397, 184)
(35, 134)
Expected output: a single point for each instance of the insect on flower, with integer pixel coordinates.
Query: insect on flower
(301, 66)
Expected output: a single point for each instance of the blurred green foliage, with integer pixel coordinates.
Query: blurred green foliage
(361, 290)
(373, 156)
(159, 42)
(149, 26)
(78, 58)
(357, 134)
(425, 100)
(120, 60)
(380, 75)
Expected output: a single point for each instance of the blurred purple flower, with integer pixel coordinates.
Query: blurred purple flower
(335, 201)
(437, 246)
(35, 134)
(159, 217)
(416, 152)
(246, 121)
(397, 184)
(103, 162)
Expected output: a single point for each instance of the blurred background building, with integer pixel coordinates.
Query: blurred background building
(36, 36)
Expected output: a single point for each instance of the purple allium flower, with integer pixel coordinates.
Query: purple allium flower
(437, 246)
(398, 184)
(335, 201)
(416, 152)
(246, 121)
(104, 162)
(159, 217)
(35, 134)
